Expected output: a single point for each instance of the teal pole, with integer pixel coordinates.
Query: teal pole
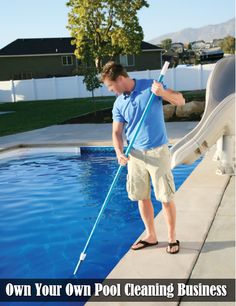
(83, 254)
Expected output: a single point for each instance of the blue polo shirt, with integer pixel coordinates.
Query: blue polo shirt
(129, 109)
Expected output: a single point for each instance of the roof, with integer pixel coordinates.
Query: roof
(29, 46)
(33, 46)
(145, 46)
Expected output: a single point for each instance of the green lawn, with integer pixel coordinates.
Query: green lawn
(32, 115)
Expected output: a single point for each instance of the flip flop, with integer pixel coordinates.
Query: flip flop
(171, 245)
(145, 244)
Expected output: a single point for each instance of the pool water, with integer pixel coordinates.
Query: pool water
(48, 205)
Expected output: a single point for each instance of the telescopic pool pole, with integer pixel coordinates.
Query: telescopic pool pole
(83, 254)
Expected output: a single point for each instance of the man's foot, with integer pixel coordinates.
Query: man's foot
(141, 244)
(173, 247)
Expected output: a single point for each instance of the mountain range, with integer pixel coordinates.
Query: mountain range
(206, 33)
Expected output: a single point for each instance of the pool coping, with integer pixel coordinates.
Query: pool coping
(52, 144)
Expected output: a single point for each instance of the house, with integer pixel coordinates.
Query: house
(54, 57)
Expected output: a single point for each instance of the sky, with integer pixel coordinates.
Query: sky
(48, 18)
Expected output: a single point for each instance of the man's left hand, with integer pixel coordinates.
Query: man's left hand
(157, 88)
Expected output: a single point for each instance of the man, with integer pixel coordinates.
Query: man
(149, 157)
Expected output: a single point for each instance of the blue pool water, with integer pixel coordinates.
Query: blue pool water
(48, 205)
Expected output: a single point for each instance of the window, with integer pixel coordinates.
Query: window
(127, 60)
(67, 60)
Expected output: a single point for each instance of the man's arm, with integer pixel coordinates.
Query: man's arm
(117, 138)
(173, 97)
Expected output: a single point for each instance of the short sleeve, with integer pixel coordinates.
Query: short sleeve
(116, 115)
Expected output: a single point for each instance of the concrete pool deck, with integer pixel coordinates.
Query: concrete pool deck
(81, 135)
(205, 213)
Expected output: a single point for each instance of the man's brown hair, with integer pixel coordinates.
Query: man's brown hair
(112, 71)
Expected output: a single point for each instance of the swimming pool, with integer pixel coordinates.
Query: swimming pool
(48, 205)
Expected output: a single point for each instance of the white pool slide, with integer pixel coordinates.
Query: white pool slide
(217, 123)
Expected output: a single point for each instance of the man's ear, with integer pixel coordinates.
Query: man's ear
(120, 78)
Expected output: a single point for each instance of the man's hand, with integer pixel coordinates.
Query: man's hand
(174, 97)
(157, 88)
(122, 159)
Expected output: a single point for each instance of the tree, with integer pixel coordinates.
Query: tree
(105, 28)
(166, 43)
(228, 45)
(92, 82)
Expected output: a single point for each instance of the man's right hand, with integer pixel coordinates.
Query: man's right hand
(122, 159)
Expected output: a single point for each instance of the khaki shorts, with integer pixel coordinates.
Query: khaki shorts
(151, 165)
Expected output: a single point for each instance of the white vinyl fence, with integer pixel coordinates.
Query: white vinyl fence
(179, 78)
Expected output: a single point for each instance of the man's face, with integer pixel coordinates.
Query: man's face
(116, 86)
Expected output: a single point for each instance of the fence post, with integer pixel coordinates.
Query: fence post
(200, 76)
(77, 85)
(54, 85)
(13, 91)
(173, 78)
(34, 89)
